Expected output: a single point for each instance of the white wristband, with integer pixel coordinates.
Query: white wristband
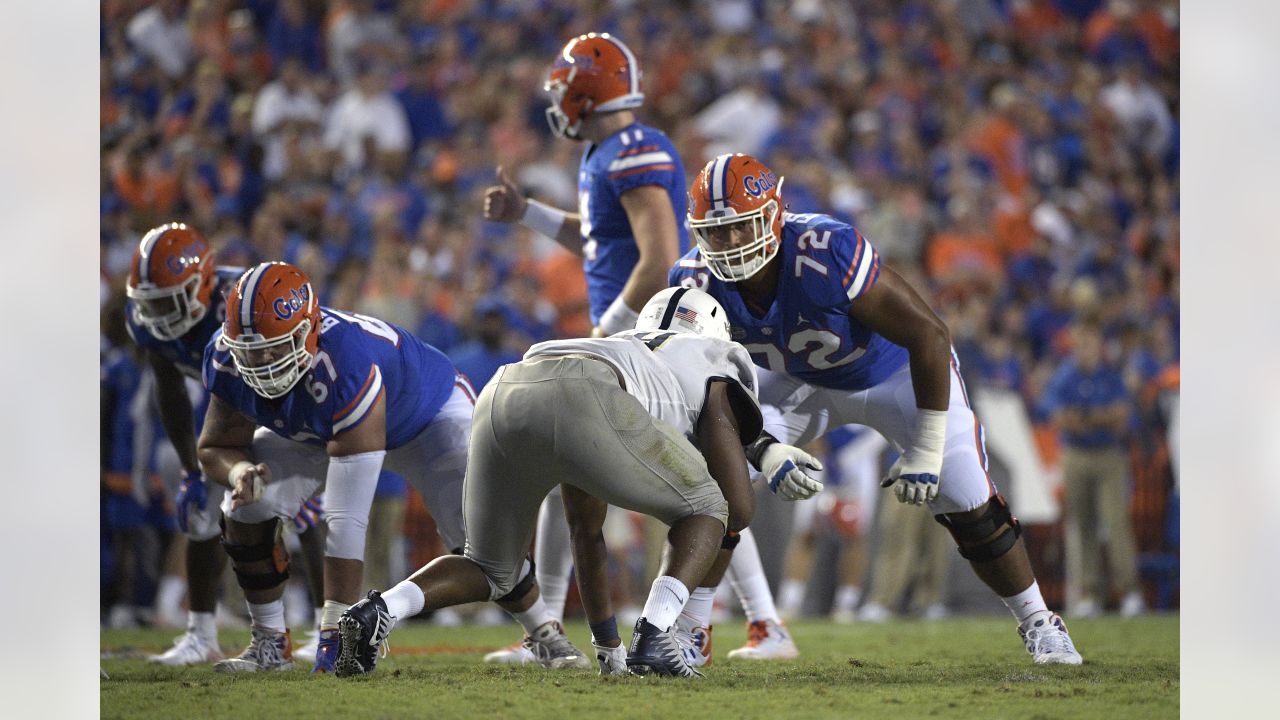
(233, 475)
(618, 317)
(930, 438)
(542, 218)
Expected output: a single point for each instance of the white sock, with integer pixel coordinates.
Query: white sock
(847, 597)
(169, 594)
(667, 597)
(535, 617)
(792, 596)
(1026, 604)
(404, 600)
(746, 575)
(553, 554)
(331, 613)
(698, 608)
(268, 615)
(203, 625)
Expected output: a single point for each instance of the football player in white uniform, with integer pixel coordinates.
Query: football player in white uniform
(612, 417)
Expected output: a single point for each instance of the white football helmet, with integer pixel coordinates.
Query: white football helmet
(683, 309)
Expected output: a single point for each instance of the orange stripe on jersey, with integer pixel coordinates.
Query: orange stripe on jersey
(642, 168)
(461, 381)
(638, 150)
(857, 255)
(356, 400)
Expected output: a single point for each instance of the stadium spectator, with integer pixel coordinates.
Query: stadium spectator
(1092, 408)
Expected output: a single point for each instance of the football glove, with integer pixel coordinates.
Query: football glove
(915, 475)
(781, 466)
(192, 490)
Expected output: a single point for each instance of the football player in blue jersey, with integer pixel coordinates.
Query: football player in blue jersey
(629, 229)
(845, 340)
(176, 304)
(305, 397)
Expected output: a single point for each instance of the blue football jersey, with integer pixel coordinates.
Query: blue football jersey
(358, 360)
(635, 156)
(807, 332)
(187, 352)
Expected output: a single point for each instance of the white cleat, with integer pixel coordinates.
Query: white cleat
(612, 660)
(188, 649)
(516, 654)
(874, 612)
(694, 642)
(766, 640)
(548, 647)
(268, 650)
(1048, 642)
(306, 652)
(1132, 605)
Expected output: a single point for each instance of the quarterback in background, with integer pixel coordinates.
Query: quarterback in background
(629, 230)
(845, 340)
(304, 397)
(613, 417)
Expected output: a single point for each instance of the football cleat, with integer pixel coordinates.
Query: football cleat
(612, 660)
(188, 649)
(655, 652)
(268, 650)
(363, 630)
(326, 652)
(551, 648)
(695, 642)
(515, 654)
(306, 652)
(1048, 642)
(766, 640)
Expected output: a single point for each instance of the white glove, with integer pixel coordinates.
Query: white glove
(781, 467)
(247, 482)
(914, 476)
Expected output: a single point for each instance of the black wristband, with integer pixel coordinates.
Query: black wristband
(756, 449)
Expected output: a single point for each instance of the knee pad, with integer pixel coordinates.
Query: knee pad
(277, 570)
(971, 535)
(523, 586)
(730, 540)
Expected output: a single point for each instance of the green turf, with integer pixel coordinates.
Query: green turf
(973, 668)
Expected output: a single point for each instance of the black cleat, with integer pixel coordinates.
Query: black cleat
(656, 652)
(363, 629)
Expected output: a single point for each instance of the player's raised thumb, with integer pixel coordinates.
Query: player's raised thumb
(502, 176)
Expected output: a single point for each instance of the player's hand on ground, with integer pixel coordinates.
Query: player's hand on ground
(503, 202)
(191, 491)
(784, 468)
(247, 486)
(913, 482)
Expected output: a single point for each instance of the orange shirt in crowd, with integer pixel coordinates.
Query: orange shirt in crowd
(999, 140)
(565, 287)
(953, 255)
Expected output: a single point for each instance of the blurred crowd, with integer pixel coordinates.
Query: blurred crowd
(1016, 160)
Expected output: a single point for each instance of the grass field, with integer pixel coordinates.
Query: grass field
(965, 667)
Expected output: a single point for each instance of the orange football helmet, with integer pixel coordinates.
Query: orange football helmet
(272, 327)
(732, 195)
(171, 280)
(593, 73)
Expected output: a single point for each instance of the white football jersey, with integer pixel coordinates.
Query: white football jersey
(669, 372)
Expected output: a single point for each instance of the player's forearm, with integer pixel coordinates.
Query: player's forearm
(570, 235)
(217, 462)
(930, 358)
(648, 277)
(179, 425)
